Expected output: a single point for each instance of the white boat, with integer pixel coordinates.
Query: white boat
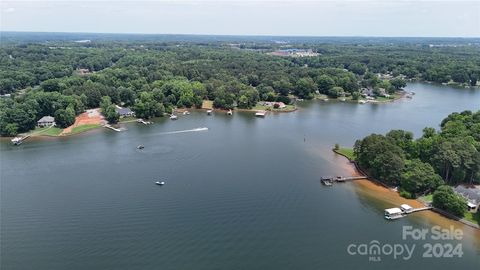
(229, 112)
(393, 213)
(361, 101)
(173, 117)
(160, 183)
(406, 208)
(209, 112)
(17, 141)
(186, 113)
(140, 146)
(260, 114)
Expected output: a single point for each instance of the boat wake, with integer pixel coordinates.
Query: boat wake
(185, 131)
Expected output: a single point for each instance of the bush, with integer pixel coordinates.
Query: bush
(446, 199)
(406, 194)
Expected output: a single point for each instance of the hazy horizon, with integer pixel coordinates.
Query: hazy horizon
(341, 18)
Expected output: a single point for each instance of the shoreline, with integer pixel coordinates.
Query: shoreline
(376, 188)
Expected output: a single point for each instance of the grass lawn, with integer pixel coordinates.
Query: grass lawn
(474, 218)
(427, 198)
(260, 107)
(84, 128)
(54, 131)
(384, 99)
(348, 152)
(45, 131)
(127, 119)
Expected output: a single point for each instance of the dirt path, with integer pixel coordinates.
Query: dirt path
(92, 116)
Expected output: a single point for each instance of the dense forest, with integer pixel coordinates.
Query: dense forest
(424, 165)
(63, 78)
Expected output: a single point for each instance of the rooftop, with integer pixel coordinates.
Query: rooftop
(391, 211)
(472, 194)
(123, 111)
(46, 119)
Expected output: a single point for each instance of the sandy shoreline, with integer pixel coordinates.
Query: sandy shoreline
(393, 199)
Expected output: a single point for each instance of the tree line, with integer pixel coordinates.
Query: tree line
(154, 77)
(418, 166)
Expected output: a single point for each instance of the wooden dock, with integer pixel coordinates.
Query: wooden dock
(112, 128)
(341, 179)
(349, 178)
(19, 140)
(420, 209)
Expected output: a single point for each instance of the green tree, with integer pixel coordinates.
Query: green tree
(111, 114)
(324, 83)
(419, 177)
(64, 117)
(398, 83)
(446, 199)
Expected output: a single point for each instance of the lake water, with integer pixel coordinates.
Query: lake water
(243, 195)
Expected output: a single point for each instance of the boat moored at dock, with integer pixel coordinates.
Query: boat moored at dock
(393, 213)
(406, 208)
(17, 140)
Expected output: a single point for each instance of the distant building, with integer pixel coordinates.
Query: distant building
(46, 121)
(295, 53)
(471, 194)
(125, 112)
(83, 71)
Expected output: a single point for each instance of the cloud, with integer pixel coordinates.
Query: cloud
(9, 10)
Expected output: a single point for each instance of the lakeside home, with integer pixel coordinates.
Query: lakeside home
(125, 112)
(46, 121)
(471, 195)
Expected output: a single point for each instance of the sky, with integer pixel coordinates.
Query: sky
(392, 18)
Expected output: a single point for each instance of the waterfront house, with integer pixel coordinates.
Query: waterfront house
(46, 121)
(471, 194)
(125, 112)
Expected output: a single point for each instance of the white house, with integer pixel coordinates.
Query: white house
(46, 121)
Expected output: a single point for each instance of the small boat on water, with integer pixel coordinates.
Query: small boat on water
(260, 114)
(173, 117)
(140, 146)
(209, 112)
(361, 101)
(327, 182)
(160, 183)
(186, 113)
(229, 112)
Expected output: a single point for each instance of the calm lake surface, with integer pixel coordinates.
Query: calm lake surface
(243, 195)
